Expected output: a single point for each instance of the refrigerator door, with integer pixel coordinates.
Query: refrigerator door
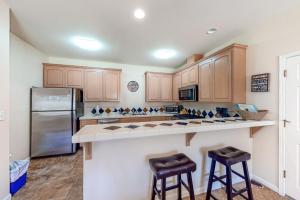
(51, 99)
(51, 133)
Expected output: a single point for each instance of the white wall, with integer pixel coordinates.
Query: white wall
(26, 71)
(4, 99)
(129, 73)
(277, 37)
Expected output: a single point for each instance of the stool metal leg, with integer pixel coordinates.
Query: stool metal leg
(191, 187)
(163, 188)
(210, 180)
(153, 188)
(228, 183)
(247, 180)
(179, 186)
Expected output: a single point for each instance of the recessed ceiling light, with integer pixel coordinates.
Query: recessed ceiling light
(87, 43)
(165, 53)
(139, 13)
(212, 31)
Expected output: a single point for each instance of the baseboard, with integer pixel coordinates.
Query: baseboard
(8, 197)
(266, 183)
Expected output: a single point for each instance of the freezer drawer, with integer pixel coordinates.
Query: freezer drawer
(51, 99)
(51, 133)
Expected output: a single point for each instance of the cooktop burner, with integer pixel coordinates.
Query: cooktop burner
(188, 116)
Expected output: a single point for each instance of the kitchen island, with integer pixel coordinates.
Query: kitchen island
(116, 155)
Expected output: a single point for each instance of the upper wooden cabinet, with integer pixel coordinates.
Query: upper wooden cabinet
(60, 76)
(98, 84)
(205, 81)
(176, 85)
(102, 85)
(222, 77)
(111, 85)
(74, 77)
(158, 87)
(189, 76)
(93, 86)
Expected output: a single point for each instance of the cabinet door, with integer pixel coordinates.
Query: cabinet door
(176, 85)
(189, 76)
(111, 83)
(153, 87)
(205, 82)
(53, 76)
(166, 87)
(193, 75)
(222, 78)
(185, 79)
(74, 77)
(93, 87)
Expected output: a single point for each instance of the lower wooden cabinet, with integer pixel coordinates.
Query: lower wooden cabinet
(159, 86)
(88, 122)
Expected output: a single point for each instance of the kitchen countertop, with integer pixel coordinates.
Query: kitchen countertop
(95, 133)
(118, 115)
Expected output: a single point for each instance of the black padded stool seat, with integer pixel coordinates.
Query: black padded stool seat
(174, 165)
(229, 155)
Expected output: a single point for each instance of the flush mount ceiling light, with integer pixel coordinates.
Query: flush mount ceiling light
(87, 43)
(211, 31)
(139, 13)
(165, 53)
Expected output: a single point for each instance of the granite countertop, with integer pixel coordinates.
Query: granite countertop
(119, 115)
(104, 132)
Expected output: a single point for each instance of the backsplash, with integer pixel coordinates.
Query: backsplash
(203, 110)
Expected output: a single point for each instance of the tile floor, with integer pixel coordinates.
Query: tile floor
(60, 178)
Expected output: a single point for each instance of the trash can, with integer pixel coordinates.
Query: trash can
(18, 175)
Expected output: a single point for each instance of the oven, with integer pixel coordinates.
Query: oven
(189, 93)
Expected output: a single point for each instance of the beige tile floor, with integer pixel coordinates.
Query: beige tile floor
(60, 178)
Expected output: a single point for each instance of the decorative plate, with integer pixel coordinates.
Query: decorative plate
(133, 86)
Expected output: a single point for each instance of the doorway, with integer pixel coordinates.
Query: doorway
(289, 125)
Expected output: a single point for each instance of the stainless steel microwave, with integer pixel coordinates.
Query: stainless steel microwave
(189, 93)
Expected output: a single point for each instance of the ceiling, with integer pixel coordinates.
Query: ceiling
(49, 25)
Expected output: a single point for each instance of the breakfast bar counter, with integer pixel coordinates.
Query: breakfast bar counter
(116, 155)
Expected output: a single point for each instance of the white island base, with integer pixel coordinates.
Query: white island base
(119, 168)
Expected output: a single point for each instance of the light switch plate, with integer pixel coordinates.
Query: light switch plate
(2, 115)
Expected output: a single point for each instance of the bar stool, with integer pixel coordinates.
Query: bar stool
(174, 165)
(229, 156)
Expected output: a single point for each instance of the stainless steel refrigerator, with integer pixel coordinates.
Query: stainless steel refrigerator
(54, 120)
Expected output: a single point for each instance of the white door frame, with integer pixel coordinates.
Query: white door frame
(282, 82)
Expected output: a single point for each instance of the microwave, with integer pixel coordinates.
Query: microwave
(189, 93)
(171, 109)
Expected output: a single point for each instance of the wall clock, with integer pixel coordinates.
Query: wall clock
(133, 86)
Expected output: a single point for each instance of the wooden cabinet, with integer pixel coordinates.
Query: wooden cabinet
(74, 77)
(176, 85)
(166, 87)
(205, 86)
(102, 85)
(111, 84)
(222, 77)
(88, 122)
(63, 76)
(53, 76)
(189, 76)
(93, 86)
(158, 87)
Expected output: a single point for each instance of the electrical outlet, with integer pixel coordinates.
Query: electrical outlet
(2, 115)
